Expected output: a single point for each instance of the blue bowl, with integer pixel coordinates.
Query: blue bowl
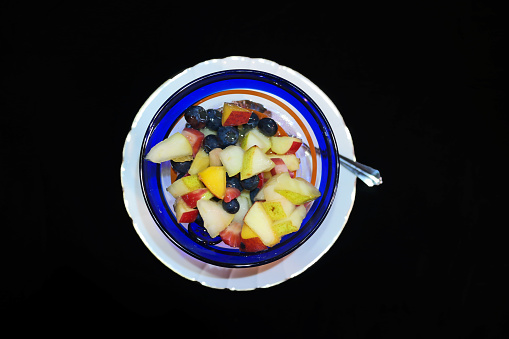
(295, 111)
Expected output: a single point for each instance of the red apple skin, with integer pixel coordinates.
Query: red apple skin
(189, 216)
(252, 245)
(280, 166)
(261, 181)
(237, 118)
(294, 148)
(293, 174)
(192, 198)
(194, 137)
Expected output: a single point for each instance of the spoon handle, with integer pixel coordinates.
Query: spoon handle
(368, 175)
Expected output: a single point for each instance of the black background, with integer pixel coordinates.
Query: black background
(420, 87)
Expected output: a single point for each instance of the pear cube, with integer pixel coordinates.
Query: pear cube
(175, 146)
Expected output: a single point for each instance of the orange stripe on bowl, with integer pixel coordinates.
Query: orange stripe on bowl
(286, 108)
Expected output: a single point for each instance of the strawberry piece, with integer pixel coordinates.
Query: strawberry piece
(231, 234)
(230, 194)
(194, 137)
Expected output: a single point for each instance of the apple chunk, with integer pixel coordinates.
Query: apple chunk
(175, 146)
(184, 213)
(191, 199)
(184, 185)
(194, 137)
(234, 115)
(290, 224)
(255, 161)
(255, 138)
(291, 160)
(200, 162)
(249, 240)
(297, 190)
(231, 158)
(285, 145)
(260, 222)
(215, 218)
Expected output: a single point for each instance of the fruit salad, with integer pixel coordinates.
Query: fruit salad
(234, 174)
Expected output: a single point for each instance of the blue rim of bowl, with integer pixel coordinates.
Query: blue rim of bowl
(171, 112)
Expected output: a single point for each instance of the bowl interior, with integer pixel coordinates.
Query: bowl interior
(291, 108)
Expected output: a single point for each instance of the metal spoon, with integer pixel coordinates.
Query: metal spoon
(370, 176)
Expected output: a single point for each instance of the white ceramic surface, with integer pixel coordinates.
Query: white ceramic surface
(241, 279)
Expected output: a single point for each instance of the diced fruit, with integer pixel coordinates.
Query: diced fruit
(231, 206)
(215, 218)
(194, 137)
(210, 142)
(230, 194)
(250, 242)
(245, 204)
(280, 166)
(234, 182)
(297, 190)
(184, 158)
(261, 180)
(285, 144)
(255, 138)
(248, 233)
(290, 224)
(195, 116)
(267, 126)
(214, 177)
(291, 160)
(214, 157)
(227, 135)
(267, 192)
(231, 158)
(276, 210)
(176, 145)
(231, 234)
(184, 185)
(260, 222)
(184, 213)
(251, 183)
(201, 161)
(234, 115)
(255, 161)
(192, 198)
(213, 119)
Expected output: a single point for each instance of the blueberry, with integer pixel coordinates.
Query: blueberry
(231, 207)
(250, 183)
(228, 135)
(253, 121)
(210, 142)
(267, 126)
(253, 194)
(213, 119)
(196, 116)
(234, 182)
(181, 167)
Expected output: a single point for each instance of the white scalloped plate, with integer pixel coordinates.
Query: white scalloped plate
(235, 278)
